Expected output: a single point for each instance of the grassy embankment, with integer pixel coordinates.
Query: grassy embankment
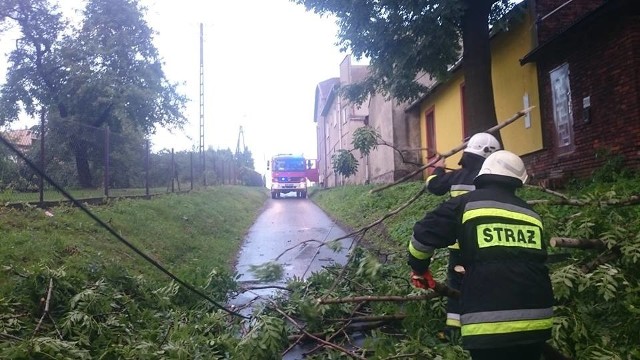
(195, 236)
(189, 234)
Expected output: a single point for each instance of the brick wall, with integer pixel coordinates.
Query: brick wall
(604, 63)
(553, 17)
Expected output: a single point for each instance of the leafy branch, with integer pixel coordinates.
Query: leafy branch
(365, 140)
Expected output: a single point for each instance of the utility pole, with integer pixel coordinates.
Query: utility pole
(202, 152)
(240, 136)
(238, 165)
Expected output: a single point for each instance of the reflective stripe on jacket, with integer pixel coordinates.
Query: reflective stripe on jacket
(456, 182)
(506, 293)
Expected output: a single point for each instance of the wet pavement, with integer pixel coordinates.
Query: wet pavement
(284, 231)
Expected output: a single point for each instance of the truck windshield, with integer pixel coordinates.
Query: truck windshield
(288, 164)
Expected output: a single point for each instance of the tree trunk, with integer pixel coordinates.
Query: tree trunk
(82, 165)
(479, 106)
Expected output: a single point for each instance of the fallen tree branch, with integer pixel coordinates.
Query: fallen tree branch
(372, 318)
(631, 200)
(548, 191)
(46, 306)
(364, 230)
(453, 151)
(577, 243)
(9, 336)
(600, 260)
(297, 245)
(316, 338)
(335, 334)
(260, 287)
(375, 298)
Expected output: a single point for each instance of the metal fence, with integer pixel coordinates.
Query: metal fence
(91, 162)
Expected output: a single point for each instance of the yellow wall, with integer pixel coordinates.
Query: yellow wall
(447, 108)
(510, 82)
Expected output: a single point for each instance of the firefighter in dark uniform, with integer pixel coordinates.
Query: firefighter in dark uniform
(506, 297)
(458, 182)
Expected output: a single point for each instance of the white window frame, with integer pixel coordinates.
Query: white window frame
(562, 112)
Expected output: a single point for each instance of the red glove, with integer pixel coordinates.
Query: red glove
(424, 281)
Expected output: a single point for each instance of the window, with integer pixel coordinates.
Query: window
(288, 164)
(562, 115)
(431, 133)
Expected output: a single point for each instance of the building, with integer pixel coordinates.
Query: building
(22, 139)
(336, 120)
(588, 61)
(398, 152)
(442, 122)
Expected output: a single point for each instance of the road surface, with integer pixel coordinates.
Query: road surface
(287, 223)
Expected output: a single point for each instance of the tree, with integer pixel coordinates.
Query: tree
(245, 158)
(35, 74)
(405, 39)
(106, 73)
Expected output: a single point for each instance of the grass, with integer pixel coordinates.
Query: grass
(355, 207)
(189, 234)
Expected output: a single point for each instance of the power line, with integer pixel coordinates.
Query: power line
(113, 231)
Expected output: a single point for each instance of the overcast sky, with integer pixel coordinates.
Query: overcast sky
(262, 61)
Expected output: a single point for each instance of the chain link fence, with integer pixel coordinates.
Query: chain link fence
(99, 163)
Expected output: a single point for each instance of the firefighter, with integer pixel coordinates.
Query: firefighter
(506, 297)
(458, 182)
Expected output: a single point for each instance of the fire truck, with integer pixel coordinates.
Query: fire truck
(291, 173)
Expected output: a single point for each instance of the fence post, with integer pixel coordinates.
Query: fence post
(146, 171)
(106, 161)
(173, 170)
(204, 167)
(214, 171)
(42, 163)
(222, 171)
(191, 167)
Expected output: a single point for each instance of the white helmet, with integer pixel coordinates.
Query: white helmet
(504, 163)
(483, 144)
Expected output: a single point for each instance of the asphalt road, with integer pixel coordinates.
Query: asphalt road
(284, 231)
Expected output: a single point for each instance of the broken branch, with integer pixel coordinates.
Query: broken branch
(372, 318)
(326, 343)
(548, 191)
(365, 228)
(600, 260)
(372, 298)
(577, 243)
(631, 200)
(46, 306)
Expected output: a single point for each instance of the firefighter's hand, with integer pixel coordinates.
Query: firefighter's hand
(424, 281)
(439, 163)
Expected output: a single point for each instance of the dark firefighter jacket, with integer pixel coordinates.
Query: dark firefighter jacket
(456, 182)
(506, 294)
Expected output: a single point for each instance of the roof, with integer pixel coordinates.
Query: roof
(323, 91)
(21, 138)
(608, 8)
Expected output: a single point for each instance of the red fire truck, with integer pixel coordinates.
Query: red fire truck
(291, 173)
